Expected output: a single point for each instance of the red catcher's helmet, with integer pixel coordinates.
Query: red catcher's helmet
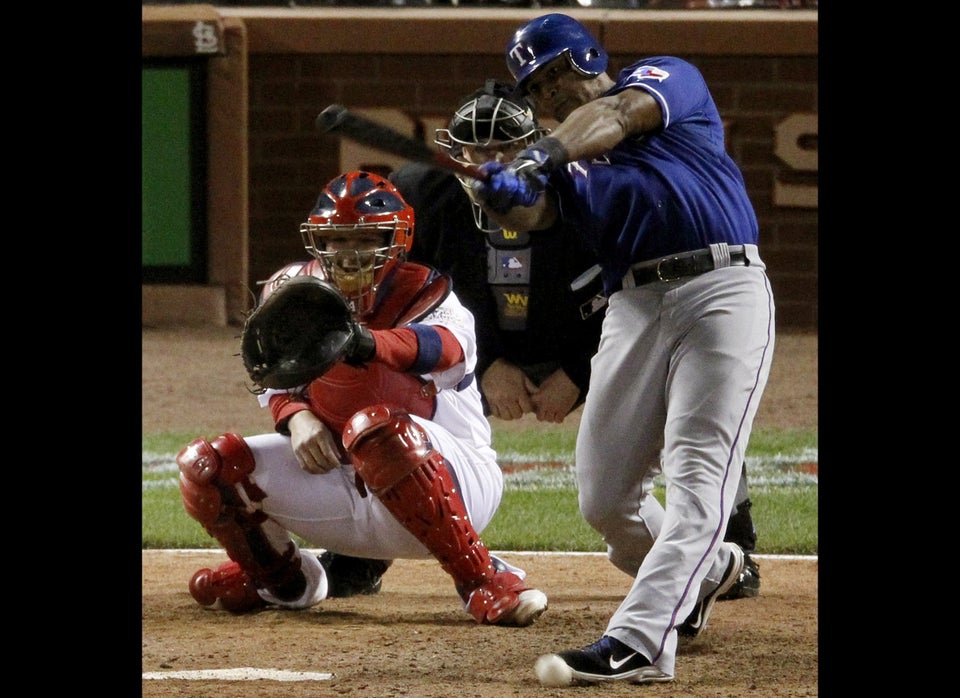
(359, 202)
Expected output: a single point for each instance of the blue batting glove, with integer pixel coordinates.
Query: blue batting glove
(521, 182)
(518, 184)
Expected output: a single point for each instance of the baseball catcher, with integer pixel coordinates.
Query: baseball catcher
(380, 449)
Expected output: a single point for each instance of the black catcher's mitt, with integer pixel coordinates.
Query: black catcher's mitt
(301, 330)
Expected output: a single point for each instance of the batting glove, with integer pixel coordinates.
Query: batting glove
(522, 181)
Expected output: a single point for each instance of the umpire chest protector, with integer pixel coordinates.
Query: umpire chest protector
(509, 256)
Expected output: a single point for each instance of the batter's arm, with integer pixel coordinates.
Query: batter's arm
(596, 127)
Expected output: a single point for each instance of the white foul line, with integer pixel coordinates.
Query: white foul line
(503, 553)
(240, 674)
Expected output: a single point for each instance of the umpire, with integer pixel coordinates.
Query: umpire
(534, 347)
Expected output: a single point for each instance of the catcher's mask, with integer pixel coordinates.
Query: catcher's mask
(490, 124)
(352, 207)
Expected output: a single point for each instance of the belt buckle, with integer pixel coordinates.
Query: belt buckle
(660, 273)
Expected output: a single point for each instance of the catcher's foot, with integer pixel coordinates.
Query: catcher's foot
(230, 588)
(505, 600)
(353, 576)
(227, 587)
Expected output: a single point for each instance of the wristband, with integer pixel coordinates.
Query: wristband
(552, 154)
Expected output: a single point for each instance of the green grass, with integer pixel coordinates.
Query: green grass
(539, 507)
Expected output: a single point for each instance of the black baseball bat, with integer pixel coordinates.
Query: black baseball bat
(337, 119)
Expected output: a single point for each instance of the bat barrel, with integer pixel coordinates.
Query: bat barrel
(338, 119)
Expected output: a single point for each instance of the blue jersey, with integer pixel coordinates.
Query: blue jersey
(666, 191)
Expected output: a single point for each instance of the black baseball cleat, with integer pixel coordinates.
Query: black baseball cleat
(697, 620)
(352, 576)
(748, 585)
(607, 659)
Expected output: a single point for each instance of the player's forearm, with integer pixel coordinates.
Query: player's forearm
(597, 127)
(283, 405)
(418, 348)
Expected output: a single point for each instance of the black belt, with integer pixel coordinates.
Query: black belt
(681, 265)
(588, 287)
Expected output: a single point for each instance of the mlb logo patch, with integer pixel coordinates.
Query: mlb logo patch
(649, 72)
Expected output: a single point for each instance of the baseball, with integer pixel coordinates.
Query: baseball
(553, 672)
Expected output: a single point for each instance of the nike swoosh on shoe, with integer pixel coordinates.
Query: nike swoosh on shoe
(617, 663)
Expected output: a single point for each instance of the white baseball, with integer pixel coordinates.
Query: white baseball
(553, 672)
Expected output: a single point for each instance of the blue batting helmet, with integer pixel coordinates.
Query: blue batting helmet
(541, 40)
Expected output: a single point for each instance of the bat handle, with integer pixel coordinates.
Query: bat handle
(445, 162)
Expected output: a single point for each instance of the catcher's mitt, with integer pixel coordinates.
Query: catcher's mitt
(302, 329)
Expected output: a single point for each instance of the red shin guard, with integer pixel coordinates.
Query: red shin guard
(397, 463)
(217, 492)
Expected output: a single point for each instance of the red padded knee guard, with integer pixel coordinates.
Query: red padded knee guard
(397, 463)
(205, 467)
(212, 475)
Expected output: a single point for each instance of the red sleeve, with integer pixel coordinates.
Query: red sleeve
(418, 348)
(283, 406)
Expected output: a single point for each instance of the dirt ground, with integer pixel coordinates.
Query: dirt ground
(193, 381)
(413, 639)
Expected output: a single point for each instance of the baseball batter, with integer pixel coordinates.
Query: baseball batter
(638, 165)
(385, 457)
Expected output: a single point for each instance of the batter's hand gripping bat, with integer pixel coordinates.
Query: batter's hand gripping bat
(337, 119)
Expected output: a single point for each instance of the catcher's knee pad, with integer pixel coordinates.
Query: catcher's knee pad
(385, 445)
(208, 469)
(217, 491)
(396, 461)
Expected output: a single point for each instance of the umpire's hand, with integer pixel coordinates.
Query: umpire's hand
(507, 390)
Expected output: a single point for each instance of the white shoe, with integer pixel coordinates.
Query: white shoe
(317, 586)
(501, 565)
